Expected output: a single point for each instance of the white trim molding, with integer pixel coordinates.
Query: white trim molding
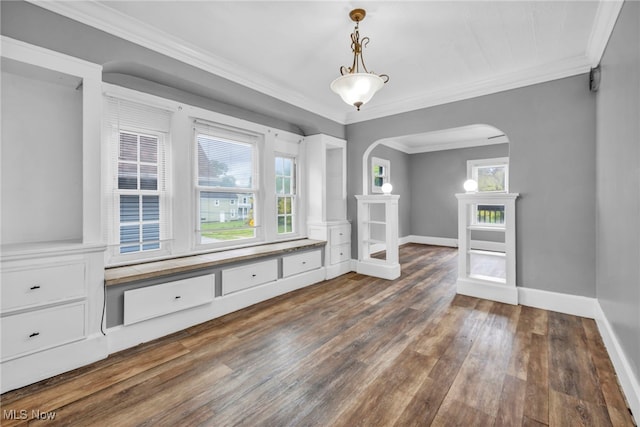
(562, 303)
(107, 19)
(111, 21)
(484, 289)
(483, 245)
(628, 381)
(603, 24)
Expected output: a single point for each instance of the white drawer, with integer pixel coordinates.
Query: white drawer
(340, 253)
(340, 235)
(41, 329)
(299, 263)
(41, 285)
(157, 300)
(236, 279)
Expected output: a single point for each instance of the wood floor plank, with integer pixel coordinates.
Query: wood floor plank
(571, 370)
(354, 350)
(459, 414)
(537, 388)
(384, 400)
(566, 410)
(512, 402)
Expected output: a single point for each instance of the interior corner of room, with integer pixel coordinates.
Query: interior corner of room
(147, 189)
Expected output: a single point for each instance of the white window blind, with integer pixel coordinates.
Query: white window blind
(136, 188)
(227, 184)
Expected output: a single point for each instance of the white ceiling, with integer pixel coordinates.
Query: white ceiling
(434, 52)
(447, 139)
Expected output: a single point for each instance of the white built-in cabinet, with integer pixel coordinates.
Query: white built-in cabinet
(327, 200)
(378, 228)
(481, 284)
(52, 261)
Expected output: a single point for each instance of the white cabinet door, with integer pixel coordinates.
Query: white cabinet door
(40, 285)
(38, 330)
(299, 263)
(153, 301)
(236, 279)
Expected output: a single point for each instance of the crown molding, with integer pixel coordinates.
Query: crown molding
(427, 148)
(603, 24)
(540, 74)
(102, 17)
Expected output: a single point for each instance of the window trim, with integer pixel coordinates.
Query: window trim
(114, 256)
(292, 195)
(229, 134)
(473, 165)
(386, 176)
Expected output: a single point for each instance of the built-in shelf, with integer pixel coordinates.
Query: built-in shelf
(488, 278)
(384, 210)
(495, 288)
(486, 228)
(488, 253)
(374, 241)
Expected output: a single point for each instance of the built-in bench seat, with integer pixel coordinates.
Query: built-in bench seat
(151, 270)
(164, 296)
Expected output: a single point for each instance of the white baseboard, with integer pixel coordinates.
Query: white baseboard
(378, 269)
(339, 269)
(437, 241)
(453, 243)
(485, 245)
(123, 337)
(492, 291)
(404, 240)
(628, 381)
(562, 303)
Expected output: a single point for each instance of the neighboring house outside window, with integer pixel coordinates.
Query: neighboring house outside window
(226, 186)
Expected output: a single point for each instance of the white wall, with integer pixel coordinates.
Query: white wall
(41, 160)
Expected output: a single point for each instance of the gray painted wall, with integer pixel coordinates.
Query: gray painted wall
(618, 184)
(551, 127)
(135, 67)
(434, 208)
(401, 181)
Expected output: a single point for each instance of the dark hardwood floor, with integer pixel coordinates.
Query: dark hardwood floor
(353, 351)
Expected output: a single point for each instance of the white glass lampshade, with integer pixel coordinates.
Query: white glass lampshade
(357, 88)
(386, 188)
(470, 185)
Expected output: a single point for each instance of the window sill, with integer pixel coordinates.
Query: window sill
(131, 273)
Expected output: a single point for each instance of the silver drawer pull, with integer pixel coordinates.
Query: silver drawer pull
(34, 287)
(34, 334)
(178, 297)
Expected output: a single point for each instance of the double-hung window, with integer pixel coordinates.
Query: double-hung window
(136, 185)
(285, 194)
(492, 176)
(227, 185)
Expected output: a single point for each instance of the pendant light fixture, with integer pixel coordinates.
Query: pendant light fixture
(356, 85)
